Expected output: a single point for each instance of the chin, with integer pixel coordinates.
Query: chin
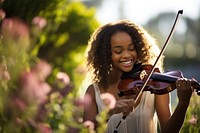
(127, 69)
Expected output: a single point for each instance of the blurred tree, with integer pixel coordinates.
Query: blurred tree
(186, 32)
(92, 3)
(67, 32)
(25, 9)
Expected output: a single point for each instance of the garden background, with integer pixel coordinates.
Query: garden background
(43, 69)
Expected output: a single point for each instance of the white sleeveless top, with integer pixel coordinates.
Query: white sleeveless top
(142, 120)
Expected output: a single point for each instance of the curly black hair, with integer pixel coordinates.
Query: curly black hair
(99, 48)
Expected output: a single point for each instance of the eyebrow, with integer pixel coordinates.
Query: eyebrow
(117, 46)
(121, 46)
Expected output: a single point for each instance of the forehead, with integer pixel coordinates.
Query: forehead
(120, 37)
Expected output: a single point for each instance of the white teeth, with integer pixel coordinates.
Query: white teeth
(126, 62)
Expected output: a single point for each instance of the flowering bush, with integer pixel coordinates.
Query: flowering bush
(28, 102)
(24, 92)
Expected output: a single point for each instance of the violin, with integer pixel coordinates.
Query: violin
(159, 83)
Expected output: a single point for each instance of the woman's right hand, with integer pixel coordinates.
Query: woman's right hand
(124, 106)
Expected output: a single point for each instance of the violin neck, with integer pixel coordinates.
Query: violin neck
(171, 77)
(164, 78)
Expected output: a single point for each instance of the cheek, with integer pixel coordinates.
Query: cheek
(115, 59)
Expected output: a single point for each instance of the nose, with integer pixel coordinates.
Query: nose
(126, 54)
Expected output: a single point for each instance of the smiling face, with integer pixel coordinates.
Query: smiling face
(124, 54)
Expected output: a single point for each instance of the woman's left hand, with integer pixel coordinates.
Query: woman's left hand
(184, 90)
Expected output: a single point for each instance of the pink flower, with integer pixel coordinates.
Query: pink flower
(83, 101)
(193, 120)
(17, 103)
(4, 75)
(62, 84)
(39, 21)
(89, 125)
(2, 14)
(33, 85)
(62, 78)
(42, 69)
(41, 94)
(44, 128)
(15, 29)
(108, 100)
(29, 86)
(32, 89)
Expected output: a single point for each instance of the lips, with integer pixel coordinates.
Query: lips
(126, 63)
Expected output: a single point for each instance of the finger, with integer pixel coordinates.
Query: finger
(188, 83)
(179, 82)
(183, 82)
(194, 80)
(122, 103)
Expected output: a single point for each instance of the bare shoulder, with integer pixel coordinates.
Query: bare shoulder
(90, 111)
(90, 90)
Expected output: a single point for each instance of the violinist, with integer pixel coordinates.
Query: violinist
(114, 49)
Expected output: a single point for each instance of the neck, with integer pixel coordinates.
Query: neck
(114, 77)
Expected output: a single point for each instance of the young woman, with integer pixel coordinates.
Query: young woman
(115, 48)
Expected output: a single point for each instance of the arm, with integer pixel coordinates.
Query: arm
(90, 110)
(170, 123)
(174, 122)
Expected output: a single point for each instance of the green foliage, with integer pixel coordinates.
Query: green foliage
(66, 35)
(27, 102)
(25, 9)
(101, 119)
(23, 47)
(192, 120)
(14, 59)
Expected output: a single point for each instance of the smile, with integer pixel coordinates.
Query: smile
(127, 62)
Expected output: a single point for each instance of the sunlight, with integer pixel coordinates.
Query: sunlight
(191, 51)
(141, 11)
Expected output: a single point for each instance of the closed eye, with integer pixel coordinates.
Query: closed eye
(131, 47)
(117, 49)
